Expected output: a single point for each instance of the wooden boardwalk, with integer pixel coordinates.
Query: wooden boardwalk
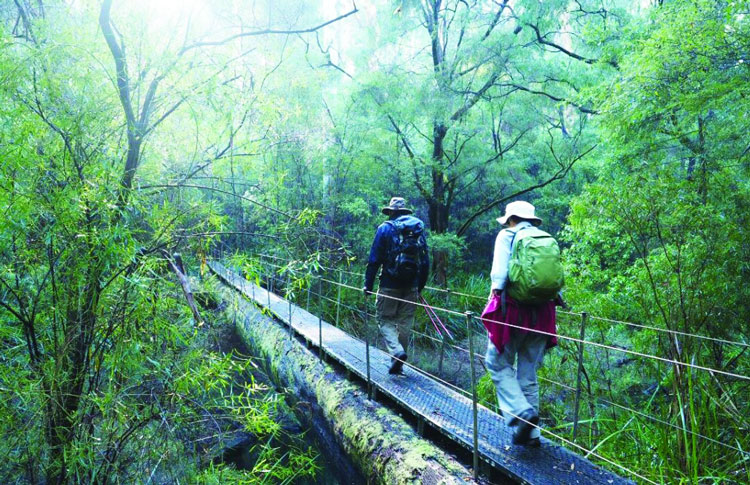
(435, 403)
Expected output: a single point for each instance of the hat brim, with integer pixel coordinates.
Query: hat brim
(388, 211)
(504, 220)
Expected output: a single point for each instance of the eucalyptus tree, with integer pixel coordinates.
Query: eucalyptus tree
(660, 238)
(97, 346)
(485, 102)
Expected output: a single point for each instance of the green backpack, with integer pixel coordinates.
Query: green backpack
(535, 273)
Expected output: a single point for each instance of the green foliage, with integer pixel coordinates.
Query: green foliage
(454, 248)
(486, 392)
(658, 238)
(100, 352)
(291, 148)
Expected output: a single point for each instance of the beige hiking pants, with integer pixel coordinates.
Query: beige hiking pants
(395, 318)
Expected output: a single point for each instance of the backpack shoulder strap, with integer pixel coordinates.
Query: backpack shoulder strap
(391, 235)
(513, 239)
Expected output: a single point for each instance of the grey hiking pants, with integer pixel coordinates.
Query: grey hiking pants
(517, 388)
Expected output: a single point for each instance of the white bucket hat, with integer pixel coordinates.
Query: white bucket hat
(520, 209)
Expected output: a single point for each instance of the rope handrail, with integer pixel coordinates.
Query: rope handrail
(674, 332)
(551, 381)
(561, 336)
(647, 416)
(353, 273)
(592, 317)
(467, 394)
(548, 432)
(565, 337)
(543, 430)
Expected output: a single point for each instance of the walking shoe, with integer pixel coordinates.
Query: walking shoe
(534, 443)
(527, 422)
(397, 364)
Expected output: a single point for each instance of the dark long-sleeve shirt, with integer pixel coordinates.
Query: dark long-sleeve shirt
(378, 257)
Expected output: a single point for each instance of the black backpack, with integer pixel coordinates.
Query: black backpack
(406, 249)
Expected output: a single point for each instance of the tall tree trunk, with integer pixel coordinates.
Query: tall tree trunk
(63, 412)
(438, 210)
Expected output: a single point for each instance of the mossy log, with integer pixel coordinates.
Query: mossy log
(384, 448)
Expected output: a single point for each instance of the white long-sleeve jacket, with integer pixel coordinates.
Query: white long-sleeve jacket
(501, 256)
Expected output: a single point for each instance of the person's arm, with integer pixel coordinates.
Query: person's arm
(424, 268)
(377, 256)
(500, 260)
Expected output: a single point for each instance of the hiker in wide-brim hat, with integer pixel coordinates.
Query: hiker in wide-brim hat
(400, 249)
(397, 205)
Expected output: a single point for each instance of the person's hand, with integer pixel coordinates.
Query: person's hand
(560, 302)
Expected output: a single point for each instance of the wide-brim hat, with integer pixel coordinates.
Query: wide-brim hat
(522, 210)
(397, 204)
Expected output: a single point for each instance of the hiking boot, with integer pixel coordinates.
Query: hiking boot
(534, 443)
(527, 422)
(397, 363)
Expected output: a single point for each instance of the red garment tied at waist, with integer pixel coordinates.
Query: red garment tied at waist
(520, 316)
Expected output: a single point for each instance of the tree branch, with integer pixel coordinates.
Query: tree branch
(495, 20)
(542, 40)
(580, 108)
(401, 135)
(177, 266)
(123, 90)
(26, 21)
(225, 192)
(558, 175)
(471, 102)
(268, 31)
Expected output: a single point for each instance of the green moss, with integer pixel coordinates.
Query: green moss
(329, 399)
(383, 446)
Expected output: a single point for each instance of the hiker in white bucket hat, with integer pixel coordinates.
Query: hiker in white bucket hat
(521, 324)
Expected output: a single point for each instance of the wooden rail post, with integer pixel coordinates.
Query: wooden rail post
(307, 305)
(338, 296)
(469, 316)
(289, 300)
(442, 353)
(320, 319)
(584, 319)
(269, 288)
(367, 345)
